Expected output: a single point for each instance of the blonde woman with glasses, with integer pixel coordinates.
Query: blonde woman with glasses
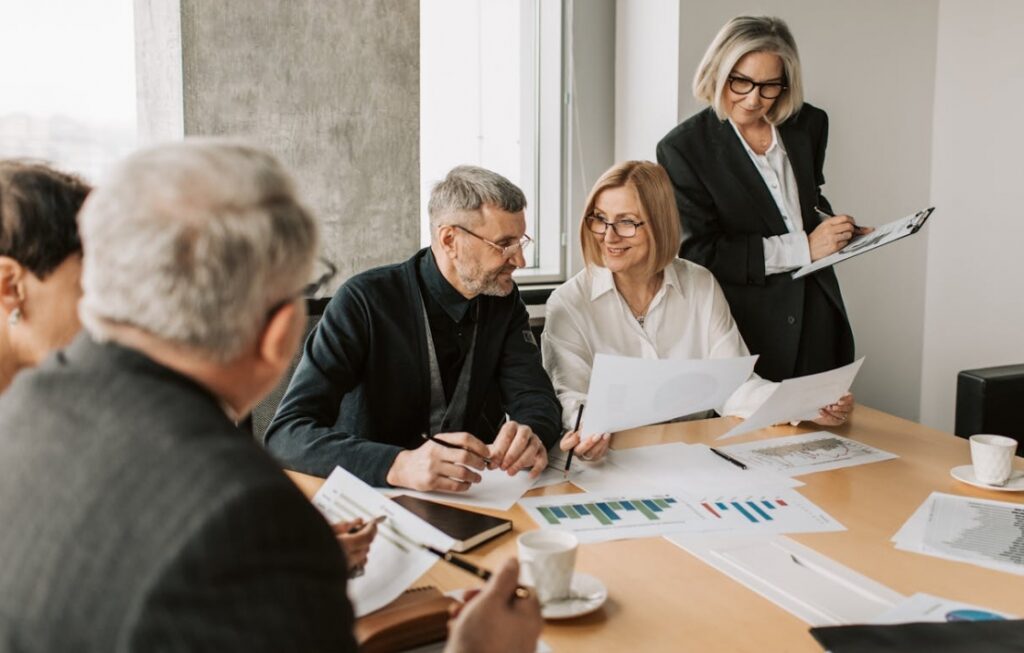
(747, 173)
(635, 298)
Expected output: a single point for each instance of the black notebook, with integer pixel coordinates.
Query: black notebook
(468, 528)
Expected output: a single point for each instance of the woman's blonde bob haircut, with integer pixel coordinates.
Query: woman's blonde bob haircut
(739, 37)
(657, 211)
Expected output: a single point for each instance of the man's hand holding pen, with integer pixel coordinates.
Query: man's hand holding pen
(445, 461)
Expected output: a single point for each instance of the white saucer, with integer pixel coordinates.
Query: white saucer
(965, 473)
(583, 585)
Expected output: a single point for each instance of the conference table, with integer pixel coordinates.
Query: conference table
(661, 598)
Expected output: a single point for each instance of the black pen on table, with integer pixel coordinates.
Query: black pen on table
(465, 565)
(437, 440)
(728, 457)
(568, 459)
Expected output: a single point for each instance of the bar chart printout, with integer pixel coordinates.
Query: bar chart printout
(784, 511)
(595, 518)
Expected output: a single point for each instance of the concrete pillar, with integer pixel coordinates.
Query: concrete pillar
(332, 88)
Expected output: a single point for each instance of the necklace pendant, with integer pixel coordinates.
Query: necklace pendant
(640, 319)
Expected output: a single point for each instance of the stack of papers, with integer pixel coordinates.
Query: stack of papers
(796, 455)
(978, 531)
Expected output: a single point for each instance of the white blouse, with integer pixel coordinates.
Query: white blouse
(688, 318)
(792, 250)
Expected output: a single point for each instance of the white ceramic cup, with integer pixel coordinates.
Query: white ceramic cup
(992, 457)
(546, 562)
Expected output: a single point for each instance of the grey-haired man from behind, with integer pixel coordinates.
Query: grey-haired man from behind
(136, 516)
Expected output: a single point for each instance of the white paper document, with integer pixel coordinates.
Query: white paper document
(629, 392)
(395, 561)
(927, 608)
(497, 491)
(979, 531)
(882, 235)
(795, 455)
(600, 518)
(597, 517)
(812, 587)
(692, 469)
(799, 399)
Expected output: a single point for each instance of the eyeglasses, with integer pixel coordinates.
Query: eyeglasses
(313, 287)
(506, 251)
(767, 90)
(310, 289)
(622, 228)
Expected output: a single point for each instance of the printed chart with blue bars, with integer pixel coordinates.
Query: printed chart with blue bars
(596, 518)
(755, 511)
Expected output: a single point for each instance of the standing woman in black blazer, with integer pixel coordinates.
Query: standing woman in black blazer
(747, 173)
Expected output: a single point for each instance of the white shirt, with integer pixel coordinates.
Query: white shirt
(688, 318)
(789, 251)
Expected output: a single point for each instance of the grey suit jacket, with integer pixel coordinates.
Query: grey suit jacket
(134, 516)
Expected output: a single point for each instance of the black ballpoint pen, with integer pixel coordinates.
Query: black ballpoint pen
(568, 459)
(436, 440)
(728, 457)
(465, 565)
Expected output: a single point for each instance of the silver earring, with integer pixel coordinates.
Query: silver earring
(14, 317)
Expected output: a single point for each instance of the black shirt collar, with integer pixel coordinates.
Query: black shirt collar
(455, 305)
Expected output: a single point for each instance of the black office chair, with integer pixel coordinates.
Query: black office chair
(263, 413)
(988, 400)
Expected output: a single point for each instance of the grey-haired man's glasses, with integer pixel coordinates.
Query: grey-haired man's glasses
(506, 251)
(310, 289)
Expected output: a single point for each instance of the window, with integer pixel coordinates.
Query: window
(490, 95)
(69, 83)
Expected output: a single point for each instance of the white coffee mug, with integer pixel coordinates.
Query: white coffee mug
(992, 457)
(546, 562)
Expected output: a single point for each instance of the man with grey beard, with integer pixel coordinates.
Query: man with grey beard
(413, 367)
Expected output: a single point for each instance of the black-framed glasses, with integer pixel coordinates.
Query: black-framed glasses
(622, 228)
(767, 90)
(315, 286)
(310, 289)
(506, 251)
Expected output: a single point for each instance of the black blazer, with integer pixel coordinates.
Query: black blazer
(726, 210)
(136, 517)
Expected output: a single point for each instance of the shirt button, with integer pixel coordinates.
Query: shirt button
(775, 185)
(791, 319)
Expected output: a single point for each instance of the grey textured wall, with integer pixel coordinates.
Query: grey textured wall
(332, 88)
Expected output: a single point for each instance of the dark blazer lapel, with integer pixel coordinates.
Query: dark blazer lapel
(798, 148)
(737, 162)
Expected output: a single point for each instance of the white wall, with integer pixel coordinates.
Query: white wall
(870, 64)
(974, 313)
(646, 93)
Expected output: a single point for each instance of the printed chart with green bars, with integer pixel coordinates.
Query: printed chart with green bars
(595, 518)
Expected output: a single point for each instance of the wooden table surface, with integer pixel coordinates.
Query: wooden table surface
(663, 599)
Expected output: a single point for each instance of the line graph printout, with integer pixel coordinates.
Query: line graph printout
(796, 455)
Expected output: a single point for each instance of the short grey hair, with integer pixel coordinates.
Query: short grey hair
(193, 242)
(738, 38)
(467, 188)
